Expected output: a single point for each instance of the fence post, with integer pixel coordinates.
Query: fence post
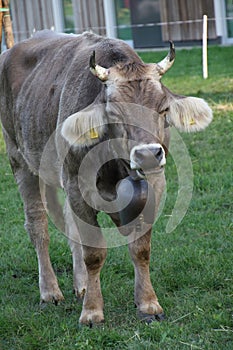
(204, 48)
(7, 25)
(1, 13)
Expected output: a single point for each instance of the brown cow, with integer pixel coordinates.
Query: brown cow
(99, 131)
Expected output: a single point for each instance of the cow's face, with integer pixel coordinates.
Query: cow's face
(137, 109)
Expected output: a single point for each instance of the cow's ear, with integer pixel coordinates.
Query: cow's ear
(189, 114)
(86, 127)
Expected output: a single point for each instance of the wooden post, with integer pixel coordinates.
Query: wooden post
(204, 48)
(1, 13)
(7, 25)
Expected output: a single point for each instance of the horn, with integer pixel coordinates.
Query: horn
(168, 61)
(98, 71)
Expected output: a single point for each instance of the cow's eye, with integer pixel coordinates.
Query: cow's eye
(163, 112)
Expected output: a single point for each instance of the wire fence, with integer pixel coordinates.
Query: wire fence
(160, 24)
(123, 26)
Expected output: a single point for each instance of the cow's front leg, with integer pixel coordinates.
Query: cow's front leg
(146, 300)
(92, 311)
(94, 253)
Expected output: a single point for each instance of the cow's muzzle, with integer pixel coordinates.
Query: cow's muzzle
(147, 158)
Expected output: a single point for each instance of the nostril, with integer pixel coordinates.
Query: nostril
(158, 153)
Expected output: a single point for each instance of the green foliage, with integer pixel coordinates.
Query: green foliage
(191, 267)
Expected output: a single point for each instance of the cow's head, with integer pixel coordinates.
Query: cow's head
(136, 107)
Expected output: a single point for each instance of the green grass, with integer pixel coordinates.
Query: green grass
(191, 267)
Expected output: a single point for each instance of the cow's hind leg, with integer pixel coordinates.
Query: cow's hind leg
(79, 267)
(146, 300)
(37, 227)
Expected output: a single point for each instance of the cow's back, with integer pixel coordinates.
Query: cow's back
(33, 74)
(47, 77)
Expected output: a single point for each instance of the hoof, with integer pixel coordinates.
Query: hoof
(151, 318)
(91, 317)
(160, 317)
(79, 294)
(50, 292)
(55, 297)
(92, 324)
(45, 303)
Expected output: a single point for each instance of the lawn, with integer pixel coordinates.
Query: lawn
(191, 266)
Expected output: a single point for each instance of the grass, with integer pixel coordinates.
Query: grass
(191, 267)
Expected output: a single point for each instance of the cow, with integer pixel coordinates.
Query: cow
(86, 114)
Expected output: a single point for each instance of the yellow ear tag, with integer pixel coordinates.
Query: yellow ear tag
(192, 122)
(94, 134)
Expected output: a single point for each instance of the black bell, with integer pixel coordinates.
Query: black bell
(140, 197)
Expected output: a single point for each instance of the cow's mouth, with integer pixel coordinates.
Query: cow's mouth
(141, 174)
